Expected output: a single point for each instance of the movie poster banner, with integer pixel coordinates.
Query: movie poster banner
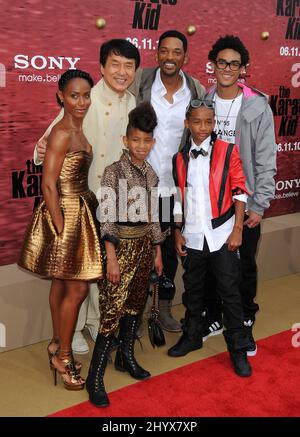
(40, 40)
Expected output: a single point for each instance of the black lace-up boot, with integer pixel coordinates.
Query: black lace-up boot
(125, 359)
(94, 383)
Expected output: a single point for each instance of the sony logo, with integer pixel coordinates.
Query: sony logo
(209, 67)
(288, 183)
(40, 62)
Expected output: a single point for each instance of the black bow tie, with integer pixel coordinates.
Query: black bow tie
(195, 153)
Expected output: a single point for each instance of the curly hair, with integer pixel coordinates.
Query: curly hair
(69, 75)
(143, 117)
(229, 42)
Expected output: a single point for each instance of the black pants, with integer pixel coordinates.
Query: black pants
(225, 265)
(169, 255)
(248, 279)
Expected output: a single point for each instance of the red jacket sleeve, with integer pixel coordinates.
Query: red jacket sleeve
(236, 173)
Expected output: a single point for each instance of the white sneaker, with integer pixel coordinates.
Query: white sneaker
(93, 331)
(79, 344)
(215, 328)
(252, 348)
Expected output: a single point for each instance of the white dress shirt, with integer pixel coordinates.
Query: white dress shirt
(169, 130)
(198, 207)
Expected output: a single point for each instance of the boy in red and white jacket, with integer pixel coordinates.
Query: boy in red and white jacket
(209, 214)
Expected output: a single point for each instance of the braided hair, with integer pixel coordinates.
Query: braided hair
(143, 117)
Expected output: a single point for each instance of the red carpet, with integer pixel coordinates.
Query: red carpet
(210, 388)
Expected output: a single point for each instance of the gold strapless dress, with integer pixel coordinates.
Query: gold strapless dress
(75, 253)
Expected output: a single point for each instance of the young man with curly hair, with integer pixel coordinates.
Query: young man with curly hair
(244, 117)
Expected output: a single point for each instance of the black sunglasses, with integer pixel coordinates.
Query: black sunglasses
(196, 103)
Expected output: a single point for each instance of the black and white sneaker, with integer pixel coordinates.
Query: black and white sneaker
(252, 348)
(215, 328)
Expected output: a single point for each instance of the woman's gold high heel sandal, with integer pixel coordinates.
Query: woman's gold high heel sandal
(70, 376)
(53, 351)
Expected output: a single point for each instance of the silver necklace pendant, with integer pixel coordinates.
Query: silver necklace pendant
(228, 113)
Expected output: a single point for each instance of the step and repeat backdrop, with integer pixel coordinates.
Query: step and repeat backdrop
(39, 40)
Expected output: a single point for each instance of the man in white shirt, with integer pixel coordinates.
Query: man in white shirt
(104, 126)
(209, 223)
(170, 90)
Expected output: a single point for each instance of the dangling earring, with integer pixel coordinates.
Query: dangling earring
(62, 103)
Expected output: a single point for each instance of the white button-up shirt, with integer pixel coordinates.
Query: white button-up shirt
(198, 207)
(169, 130)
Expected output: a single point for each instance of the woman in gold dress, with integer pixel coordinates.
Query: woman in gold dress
(62, 241)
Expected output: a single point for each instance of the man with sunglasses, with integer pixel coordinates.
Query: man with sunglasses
(244, 117)
(209, 214)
